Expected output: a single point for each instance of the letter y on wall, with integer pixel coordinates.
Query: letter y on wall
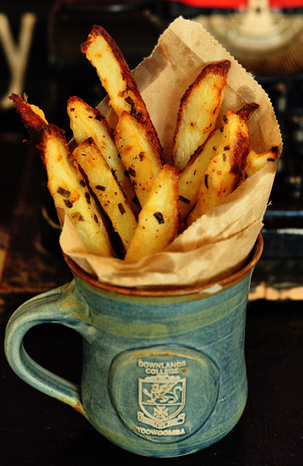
(16, 53)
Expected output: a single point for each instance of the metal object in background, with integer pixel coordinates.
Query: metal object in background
(268, 42)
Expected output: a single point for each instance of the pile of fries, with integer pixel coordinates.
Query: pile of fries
(115, 184)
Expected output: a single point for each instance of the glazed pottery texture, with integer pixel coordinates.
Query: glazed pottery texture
(163, 372)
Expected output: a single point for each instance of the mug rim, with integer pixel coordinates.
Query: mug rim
(170, 292)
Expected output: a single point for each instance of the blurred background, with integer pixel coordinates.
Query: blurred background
(40, 56)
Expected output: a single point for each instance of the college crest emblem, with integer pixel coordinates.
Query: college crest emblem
(161, 399)
(163, 394)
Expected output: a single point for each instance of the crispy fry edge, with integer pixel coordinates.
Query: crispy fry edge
(138, 107)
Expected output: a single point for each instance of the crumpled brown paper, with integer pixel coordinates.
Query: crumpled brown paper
(220, 241)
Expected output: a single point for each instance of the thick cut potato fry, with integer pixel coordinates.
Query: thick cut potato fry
(198, 111)
(192, 174)
(254, 161)
(136, 155)
(223, 172)
(70, 192)
(114, 73)
(65, 182)
(159, 218)
(106, 189)
(86, 122)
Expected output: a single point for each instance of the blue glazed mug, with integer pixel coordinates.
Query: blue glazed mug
(163, 372)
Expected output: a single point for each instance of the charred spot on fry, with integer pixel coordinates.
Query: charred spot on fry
(77, 216)
(87, 197)
(131, 172)
(159, 217)
(130, 101)
(68, 203)
(247, 110)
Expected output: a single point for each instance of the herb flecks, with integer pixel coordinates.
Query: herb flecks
(121, 208)
(68, 203)
(184, 199)
(63, 192)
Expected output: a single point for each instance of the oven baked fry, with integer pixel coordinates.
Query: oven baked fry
(116, 78)
(106, 189)
(86, 122)
(159, 218)
(65, 182)
(198, 111)
(70, 192)
(223, 172)
(136, 155)
(192, 174)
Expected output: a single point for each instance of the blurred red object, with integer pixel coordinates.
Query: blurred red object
(240, 4)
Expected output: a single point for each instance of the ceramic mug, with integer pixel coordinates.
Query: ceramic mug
(163, 372)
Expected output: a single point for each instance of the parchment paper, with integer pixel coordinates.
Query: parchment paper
(219, 242)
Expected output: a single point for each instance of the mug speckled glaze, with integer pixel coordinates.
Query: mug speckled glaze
(163, 372)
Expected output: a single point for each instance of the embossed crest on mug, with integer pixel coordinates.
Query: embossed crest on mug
(162, 399)
(171, 391)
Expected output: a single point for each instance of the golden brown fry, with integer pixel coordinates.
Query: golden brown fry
(106, 189)
(192, 174)
(65, 182)
(114, 73)
(254, 161)
(86, 122)
(139, 161)
(223, 171)
(159, 218)
(198, 111)
(70, 192)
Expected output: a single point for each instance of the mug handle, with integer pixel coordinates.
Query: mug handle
(56, 306)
